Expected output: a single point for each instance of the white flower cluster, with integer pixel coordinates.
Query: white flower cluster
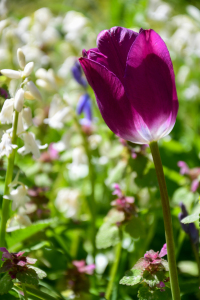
(29, 91)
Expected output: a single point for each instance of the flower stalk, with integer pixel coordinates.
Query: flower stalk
(114, 268)
(8, 180)
(167, 221)
(91, 201)
(25, 292)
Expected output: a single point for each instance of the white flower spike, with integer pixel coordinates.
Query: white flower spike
(6, 115)
(6, 146)
(19, 100)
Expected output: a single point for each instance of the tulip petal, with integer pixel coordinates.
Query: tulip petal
(150, 83)
(115, 44)
(112, 101)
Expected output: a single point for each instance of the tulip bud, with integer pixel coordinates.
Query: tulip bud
(28, 95)
(34, 91)
(28, 69)
(27, 117)
(19, 100)
(11, 73)
(21, 58)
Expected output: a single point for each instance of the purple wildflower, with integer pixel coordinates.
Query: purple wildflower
(78, 74)
(133, 79)
(194, 174)
(14, 262)
(190, 228)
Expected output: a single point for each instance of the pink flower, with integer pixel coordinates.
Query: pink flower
(194, 174)
(83, 268)
(133, 79)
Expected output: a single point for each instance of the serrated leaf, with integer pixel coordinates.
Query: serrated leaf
(40, 273)
(132, 277)
(22, 234)
(114, 216)
(191, 218)
(135, 228)
(5, 284)
(28, 276)
(108, 235)
(146, 294)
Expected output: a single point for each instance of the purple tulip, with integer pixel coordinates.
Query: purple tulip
(134, 83)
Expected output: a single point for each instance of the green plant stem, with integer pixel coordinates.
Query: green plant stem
(167, 221)
(114, 268)
(8, 180)
(24, 290)
(91, 201)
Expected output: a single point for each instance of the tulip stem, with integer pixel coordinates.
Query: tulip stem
(8, 180)
(114, 268)
(167, 221)
(91, 201)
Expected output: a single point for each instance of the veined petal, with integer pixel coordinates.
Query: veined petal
(112, 101)
(150, 83)
(115, 44)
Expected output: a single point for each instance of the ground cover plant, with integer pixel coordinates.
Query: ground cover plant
(99, 151)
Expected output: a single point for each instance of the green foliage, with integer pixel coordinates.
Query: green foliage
(191, 218)
(108, 235)
(5, 284)
(132, 277)
(135, 228)
(146, 294)
(28, 276)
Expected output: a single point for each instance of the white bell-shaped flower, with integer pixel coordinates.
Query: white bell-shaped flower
(27, 117)
(28, 69)
(18, 196)
(34, 90)
(6, 115)
(21, 58)
(30, 145)
(19, 100)
(11, 73)
(6, 146)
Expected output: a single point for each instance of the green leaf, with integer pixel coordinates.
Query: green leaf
(5, 284)
(135, 228)
(40, 273)
(145, 293)
(191, 218)
(108, 235)
(28, 276)
(22, 234)
(132, 277)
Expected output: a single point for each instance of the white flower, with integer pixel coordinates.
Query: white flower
(11, 73)
(18, 196)
(6, 146)
(46, 79)
(34, 90)
(57, 121)
(17, 222)
(28, 69)
(64, 143)
(78, 168)
(27, 117)
(67, 202)
(21, 58)
(30, 145)
(7, 111)
(19, 100)
(94, 140)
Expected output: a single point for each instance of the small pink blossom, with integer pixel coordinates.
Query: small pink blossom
(83, 268)
(193, 174)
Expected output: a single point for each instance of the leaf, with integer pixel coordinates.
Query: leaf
(135, 228)
(40, 273)
(22, 234)
(28, 276)
(191, 218)
(5, 284)
(108, 235)
(132, 277)
(146, 294)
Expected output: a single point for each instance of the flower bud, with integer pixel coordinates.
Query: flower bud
(28, 95)
(28, 69)
(21, 58)
(34, 91)
(27, 117)
(19, 100)
(11, 73)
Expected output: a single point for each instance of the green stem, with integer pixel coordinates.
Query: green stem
(167, 221)
(8, 180)
(114, 268)
(24, 290)
(91, 202)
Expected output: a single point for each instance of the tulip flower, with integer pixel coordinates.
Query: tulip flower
(133, 80)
